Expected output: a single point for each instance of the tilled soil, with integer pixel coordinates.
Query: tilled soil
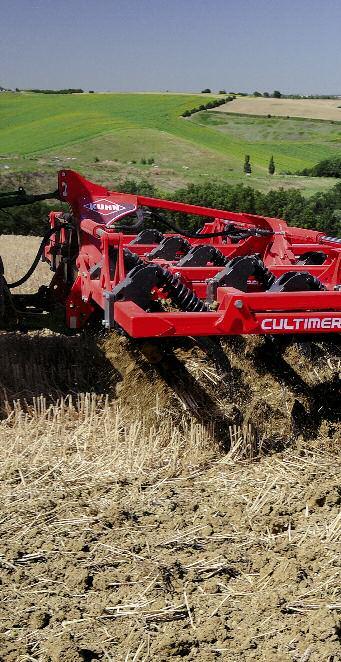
(276, 391)
(233, 561)
(232, 554)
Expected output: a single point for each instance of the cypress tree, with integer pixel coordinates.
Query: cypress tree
(271, 167)
(247, 165)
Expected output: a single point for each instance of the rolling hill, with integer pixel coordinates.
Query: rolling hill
(112, 136)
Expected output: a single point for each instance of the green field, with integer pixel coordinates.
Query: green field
(105, 136)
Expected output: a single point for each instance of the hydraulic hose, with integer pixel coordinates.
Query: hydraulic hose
(35, 262)
(237, 232)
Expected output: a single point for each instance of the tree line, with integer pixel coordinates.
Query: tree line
(214, 103)
(276, 94)
(326, 168)
(69, 90)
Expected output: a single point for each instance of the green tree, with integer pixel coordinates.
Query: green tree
(277, 94)
(328, 168)
(247, 165)
(271, 167)
(143, 187)
(257, 94)
(206, 91)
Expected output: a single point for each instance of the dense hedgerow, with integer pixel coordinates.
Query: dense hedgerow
(69, 90)
(214, 103)
(321, 212)
(327, 168)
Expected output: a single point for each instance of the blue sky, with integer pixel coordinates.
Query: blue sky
(181, 45)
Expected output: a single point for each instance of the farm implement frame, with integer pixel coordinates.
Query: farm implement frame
(239, 274)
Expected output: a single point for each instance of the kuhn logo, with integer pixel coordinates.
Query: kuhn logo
(300, 323)
(105, 207)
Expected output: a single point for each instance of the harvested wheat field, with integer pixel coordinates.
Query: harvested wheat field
(164, 512)
(319, 109)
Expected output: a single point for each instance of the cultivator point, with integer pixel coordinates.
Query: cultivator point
(239, 274)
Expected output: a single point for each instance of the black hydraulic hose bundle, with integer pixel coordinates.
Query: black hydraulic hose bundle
(16, 199)
(229, 232)
(28, 274)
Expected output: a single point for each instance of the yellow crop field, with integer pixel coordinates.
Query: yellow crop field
(319, 109)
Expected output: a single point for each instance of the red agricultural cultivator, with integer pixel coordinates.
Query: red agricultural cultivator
(239, 274)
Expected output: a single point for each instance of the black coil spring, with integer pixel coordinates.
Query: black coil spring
(181, 295)
(264, 276)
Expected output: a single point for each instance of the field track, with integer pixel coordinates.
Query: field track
(141, 523)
